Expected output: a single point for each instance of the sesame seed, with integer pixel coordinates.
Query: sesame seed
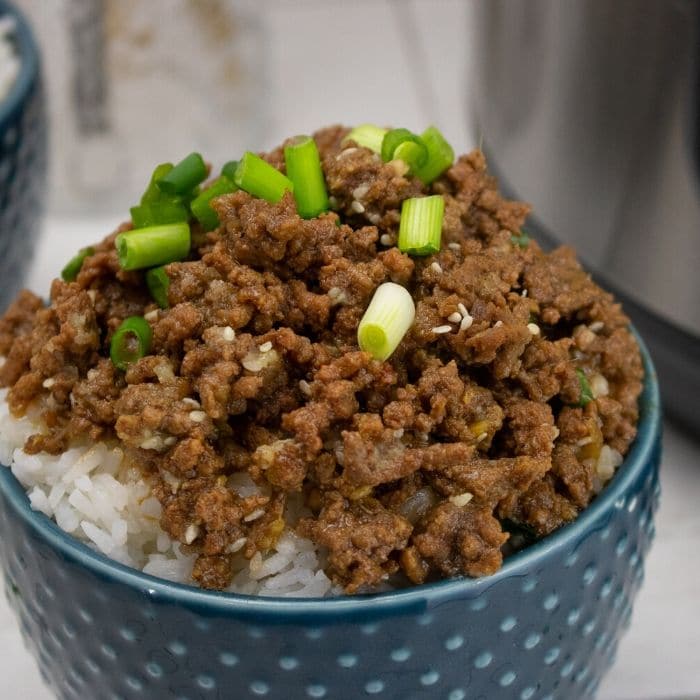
(523, 293)
(191, 534)
(359, 192)
(305, 387)
(461, 499)
(197, 416)
(462, 309)
(584, 441)
(257, 513)
(533, 328)
(48, 383)
(151, 315)
(596, 326)
(455, 317)
(265, 347)
(438, 330)
(191, 402)
(374, 218)
(92, 293)
(345, 152)
(481, 437)
(357, 207)
(435, 267)
(466, 322)
(237, 545)
(498, 324)
(454, 246)
(228, 334)
(555, 432)
(386, 239)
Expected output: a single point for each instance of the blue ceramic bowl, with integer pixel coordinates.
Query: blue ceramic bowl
(23, 144)
(545, 626)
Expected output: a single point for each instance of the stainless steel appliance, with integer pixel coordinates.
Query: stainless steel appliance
(590, 110)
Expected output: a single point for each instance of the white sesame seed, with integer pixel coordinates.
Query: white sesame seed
(584, 441)
(305, 387)
(169, 441)
(523, 293)
(48, 383)
(228, 334)
(462, 309)
(498, 324)
(555, 432)
(596, 326)
(386, 239)
(257, 513)
(345, 152)
(466, 322)
(237, 545)
(197, 416)
(441, 329)
(374, 218)
(359, 192)
(533, 328)
(481, 437)
(357, 207)
(454, 246)
(151, 315)
(191, 402)
(191, 534)
(455, 317)
(92, 293)
(436, 267)
(461, 499)
(265, 347)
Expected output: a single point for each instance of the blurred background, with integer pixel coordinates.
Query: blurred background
(589, 109)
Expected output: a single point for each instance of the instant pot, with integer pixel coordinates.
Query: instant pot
(590, 110)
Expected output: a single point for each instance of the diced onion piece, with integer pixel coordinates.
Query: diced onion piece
(367, 136)
(387, 319)
(420, 229)
(153, 246)
(304, 170)
(440, 155)
(257, 177)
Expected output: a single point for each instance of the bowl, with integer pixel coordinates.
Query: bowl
(23, 148)
(544, 626)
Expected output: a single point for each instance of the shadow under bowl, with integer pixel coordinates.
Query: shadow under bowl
(23, 160)
(544, 626)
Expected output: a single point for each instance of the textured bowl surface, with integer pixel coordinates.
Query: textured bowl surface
(545, 626)
(23, 144)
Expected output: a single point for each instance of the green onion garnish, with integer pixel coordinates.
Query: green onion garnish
(229, 169)
(304, 170)
(421, 225)
(405, 145)
(385, 322)
(167, 211)
(153, 193)
(188, 173)
(367, 136)
(72, 268)
(522, 241)
(586, 392)
(259, 178)
(201, 207)
(440, 155)
(153, 246)
(158, 283)
(130, 342)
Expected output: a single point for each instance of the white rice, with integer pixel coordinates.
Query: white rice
(96, 497)
(9, 62)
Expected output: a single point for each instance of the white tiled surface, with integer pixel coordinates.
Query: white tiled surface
(399, 72)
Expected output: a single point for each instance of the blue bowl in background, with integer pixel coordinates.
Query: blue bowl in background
(23, 161)
(545, 626)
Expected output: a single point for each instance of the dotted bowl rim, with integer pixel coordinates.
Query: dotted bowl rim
(28, 55)
(414, 600)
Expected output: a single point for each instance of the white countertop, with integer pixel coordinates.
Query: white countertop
(659, 658)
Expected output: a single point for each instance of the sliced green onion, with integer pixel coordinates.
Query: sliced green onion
(304, 170)
(130, 342)
(229, 169)
(153, 193)
(153, 246)
(367, 136)
(158, 284)
(74, 265)
(168, 211)
(188, 173)
(201, 206)
(420, 229)
(522, 241)
(404, 144)
(586, 392)
(440, 155)
(387, 319)
(257, 177)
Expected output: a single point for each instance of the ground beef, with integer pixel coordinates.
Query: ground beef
(411, 469)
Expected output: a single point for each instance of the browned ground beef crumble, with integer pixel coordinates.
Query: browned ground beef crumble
(383, 452)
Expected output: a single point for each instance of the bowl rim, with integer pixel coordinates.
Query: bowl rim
(28, 55)
(416, 598)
